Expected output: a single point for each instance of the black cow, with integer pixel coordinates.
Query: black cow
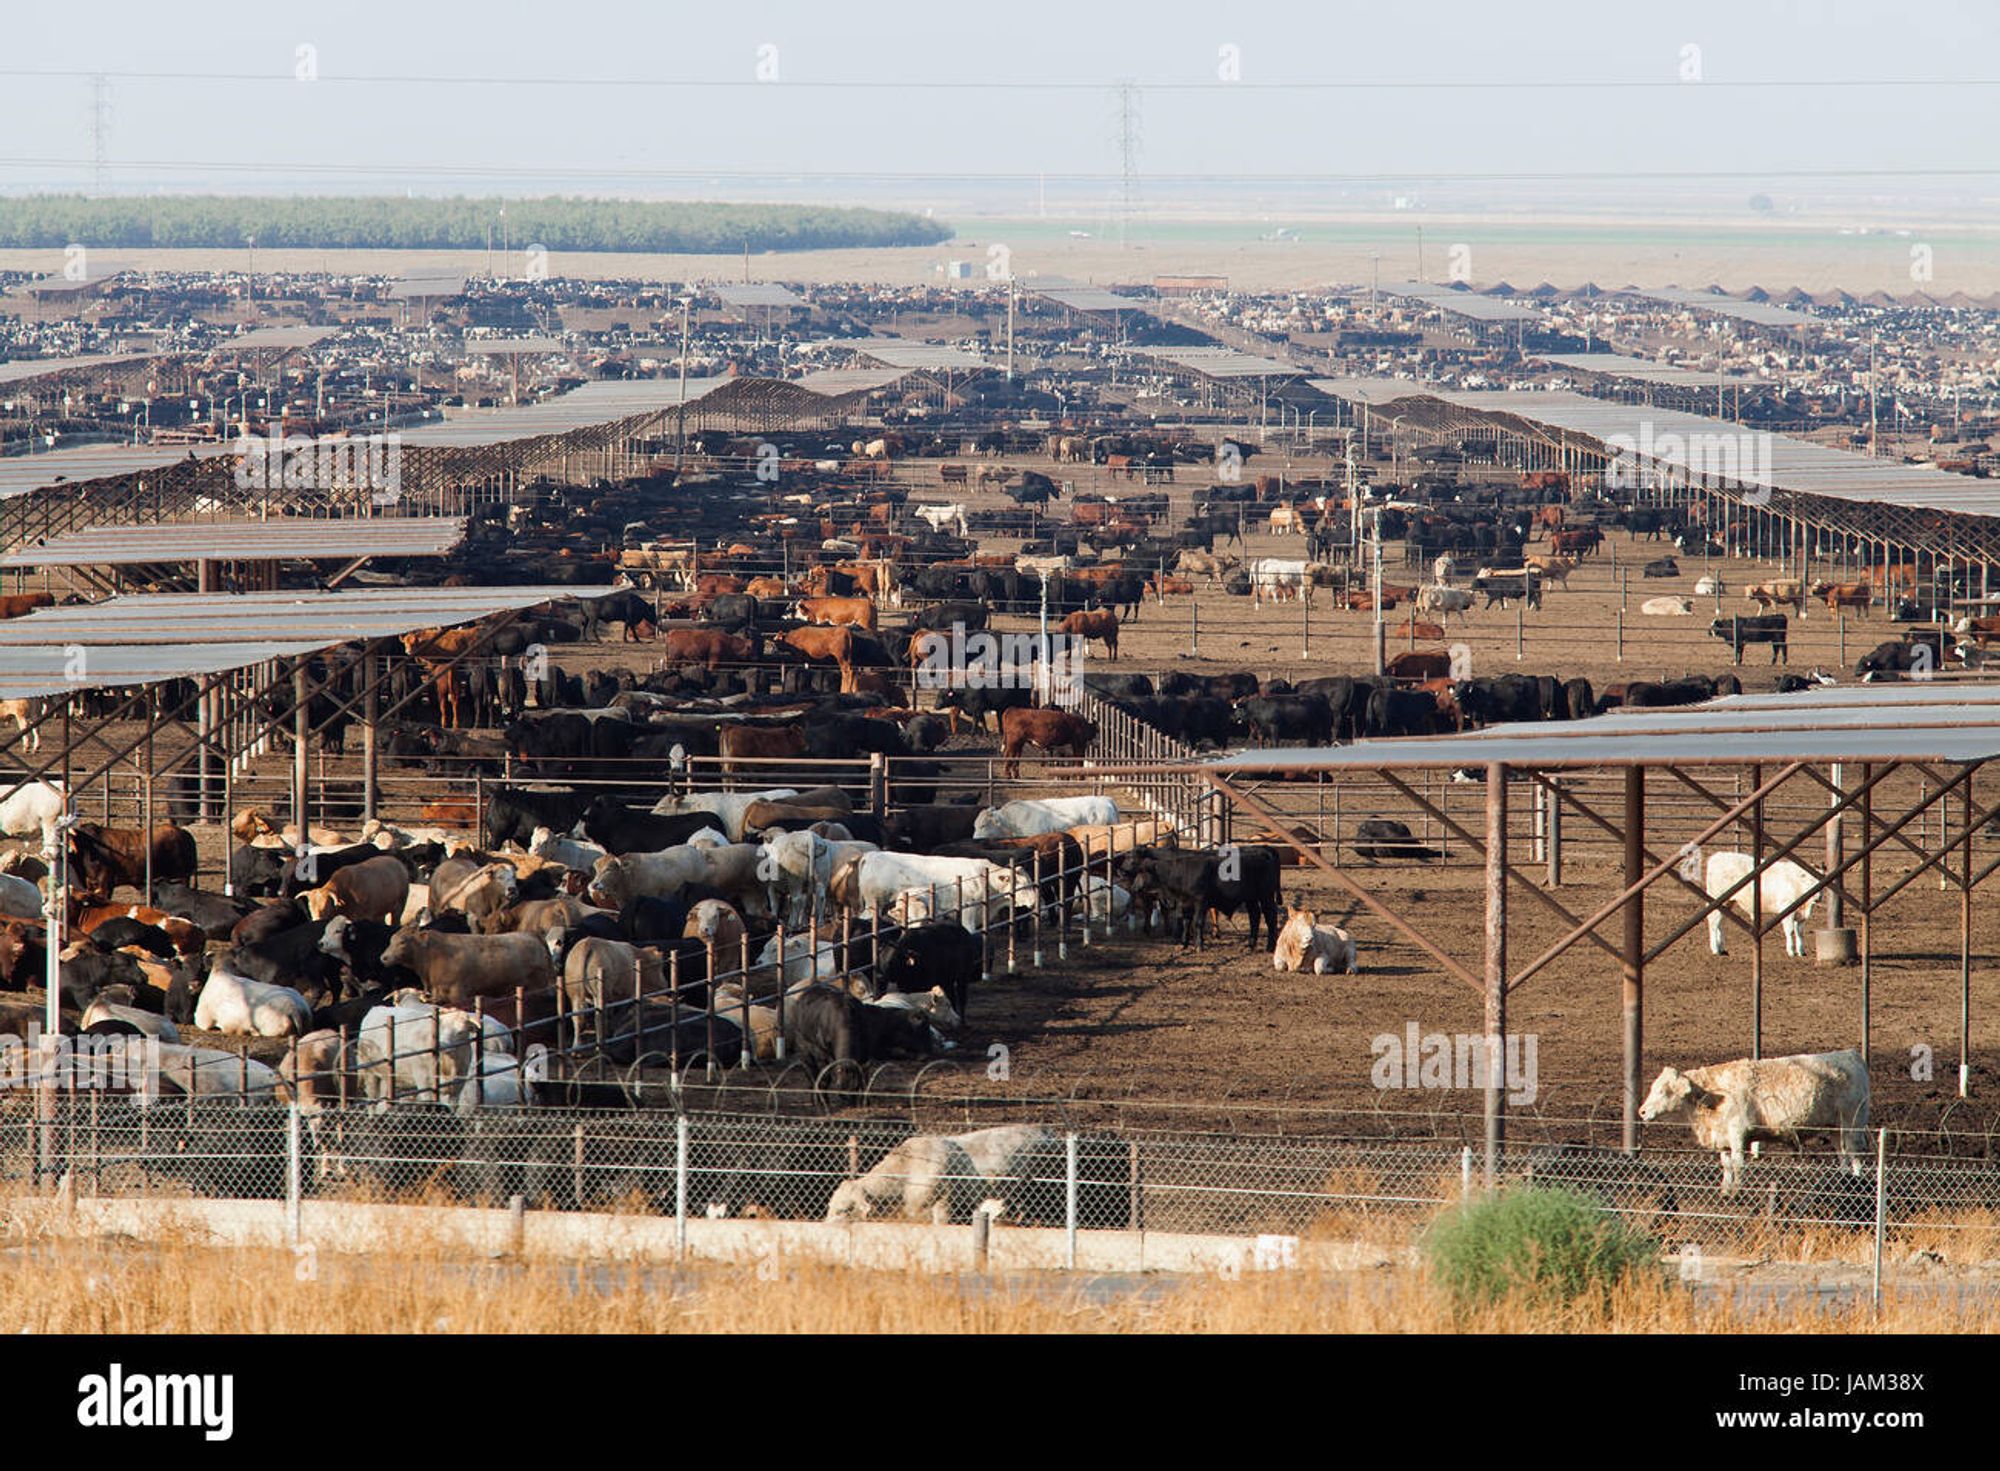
(1895, 658)
(829, 1025)
(513, 814)
(923, 829)
(215, 914)
(976, 702)
(939, 954)
(1394, 712)
(1384, 837)
(618, 829)
(1188, 885)
(1662, 567)
(292, 958)
(257, 872)
(1762, 628)
(117, 934)
(357, 944)
(310, 870)
(1289, 719)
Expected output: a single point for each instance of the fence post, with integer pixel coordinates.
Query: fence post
(1881, 1209)
(1465, 1173)
(1621, 635)
(1069, 1194)
(680, 1185)
(292, 1172)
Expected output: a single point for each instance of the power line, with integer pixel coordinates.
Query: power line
(1012, 176)
(917, 84)
(100, 128)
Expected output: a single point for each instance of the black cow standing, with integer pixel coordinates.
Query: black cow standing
(1188, 885)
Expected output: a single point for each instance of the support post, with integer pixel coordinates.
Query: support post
(1496, 966)
(1633, 987)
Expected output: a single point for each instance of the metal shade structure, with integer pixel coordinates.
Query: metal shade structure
(1084, 298)
(1755, 313)
(27, 370)
(427, 286)
(1220, 363)
(24, 474)
(1468, 304)
(277, 539)
(897, 352)
(759, 294)
(1644, 370)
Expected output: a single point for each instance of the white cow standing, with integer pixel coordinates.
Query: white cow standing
(1773, 1098)
(1781, 887)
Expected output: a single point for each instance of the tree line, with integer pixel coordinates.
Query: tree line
(388, 223)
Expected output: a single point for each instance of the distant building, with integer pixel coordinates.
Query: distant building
(1190, 285)
(958, 270)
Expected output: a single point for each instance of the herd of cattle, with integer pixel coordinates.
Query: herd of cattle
(455, 962)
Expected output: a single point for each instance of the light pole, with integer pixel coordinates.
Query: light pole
(681, 408)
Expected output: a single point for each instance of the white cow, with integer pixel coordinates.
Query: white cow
(797, 867)
(1304, 945)
(1774, 1098)
(1030, 819)
(1667, 607)
(1282, 580)
(574, 853)
(803, 963)
(616, 880)
(19, 899)
(245, 1008)
(728, 807)
(940, 517)
(209, 1072)
(920, 887)
(425, 1046)
(1439, 599)
(944, 1178)
(1781, 887)
(30, 809)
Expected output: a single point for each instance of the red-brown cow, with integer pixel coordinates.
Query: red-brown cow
(710, 648)
(1050, 730)
(1093, 623)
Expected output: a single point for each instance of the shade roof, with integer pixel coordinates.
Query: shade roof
(221, 541)
(758, 293)
(1931, 721)
(420, 286)
(20, 474)
(1086, 298)
(1464, 303)
(1219, 362)
(158, 636)
(897, 352)
(524, 346)
(835, 382)
(1642, 370)
(604, 402)
(1758, 313)
(22, 370)
(275, 339)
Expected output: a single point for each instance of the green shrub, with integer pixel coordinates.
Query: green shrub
(1547, 1245)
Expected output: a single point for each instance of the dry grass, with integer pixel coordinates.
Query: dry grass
(180, 1286)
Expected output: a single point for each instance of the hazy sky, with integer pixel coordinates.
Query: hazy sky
(992, 121)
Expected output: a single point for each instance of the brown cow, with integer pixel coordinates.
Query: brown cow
(739, 744)
(187, 937)
(712, 585)
(106, 857)
(1420, 664)
(854, 612)
(1840, 595)
(766, 587)
(710, 648)
(1419, 629)
(1579, 543)
(436, 649)
(14, 605)
(1051, 730)
(1098, 623)
(834, 643)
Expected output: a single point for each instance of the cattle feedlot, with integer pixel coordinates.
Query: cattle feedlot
(726, 718)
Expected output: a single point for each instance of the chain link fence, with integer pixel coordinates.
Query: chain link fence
(944, 1161)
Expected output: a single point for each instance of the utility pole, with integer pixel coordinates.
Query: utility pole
(681, 408)
(100, 129)
(1873, 449)
(1010, 326)
(1128, 155)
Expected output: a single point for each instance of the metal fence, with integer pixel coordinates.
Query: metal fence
(1020, 1162)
